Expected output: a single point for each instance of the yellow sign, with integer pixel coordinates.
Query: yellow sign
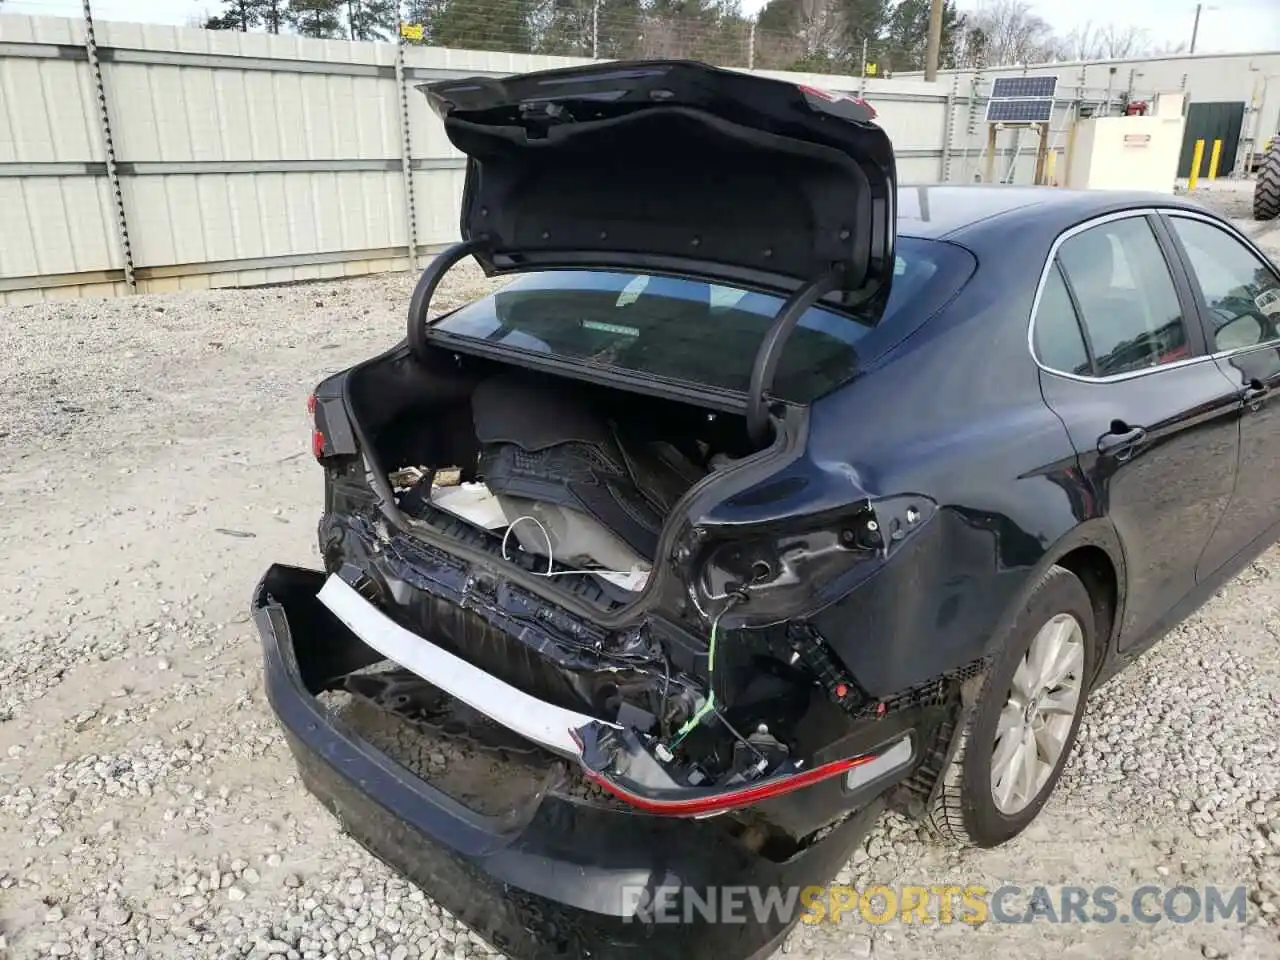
(411, 31)
(872, 69)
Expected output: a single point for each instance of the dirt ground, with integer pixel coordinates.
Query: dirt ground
(154, 462)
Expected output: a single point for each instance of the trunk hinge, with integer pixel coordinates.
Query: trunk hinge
(769, 353)
(441, 264)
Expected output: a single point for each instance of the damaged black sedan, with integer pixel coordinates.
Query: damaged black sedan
(764, 496)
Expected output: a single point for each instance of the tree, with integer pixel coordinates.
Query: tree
(811, 35)
(372, 19)
(614, 29)
(1007, 32)
(424, 14)
(484, 25)
(245, 15)
(315, 18)
(1082, 43)
(1119, 42)
(908, 35)
(712, 30)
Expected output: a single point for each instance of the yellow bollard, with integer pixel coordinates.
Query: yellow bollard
(1197, 158)
(1214, 158)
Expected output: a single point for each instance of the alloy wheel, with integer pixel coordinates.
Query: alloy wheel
(1037, 717)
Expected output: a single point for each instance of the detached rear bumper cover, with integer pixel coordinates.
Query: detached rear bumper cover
(562, 879)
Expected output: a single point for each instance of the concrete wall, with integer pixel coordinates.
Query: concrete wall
(250, 158)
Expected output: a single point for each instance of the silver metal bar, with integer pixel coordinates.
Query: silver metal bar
(109, 150)
(42, 51)
(227, 61)
(145, 168)
(53, 169)
(51, 281)
(536, 720)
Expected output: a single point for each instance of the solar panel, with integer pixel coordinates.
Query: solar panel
(1020, 111)
(1016, 88)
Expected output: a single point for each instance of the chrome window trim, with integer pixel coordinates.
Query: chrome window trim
(1137, 212)
(1230, 230)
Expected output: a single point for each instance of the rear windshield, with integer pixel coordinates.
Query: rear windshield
(700, 332)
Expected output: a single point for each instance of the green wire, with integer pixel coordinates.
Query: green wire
(709, 704)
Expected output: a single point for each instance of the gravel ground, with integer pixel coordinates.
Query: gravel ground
(155, 462)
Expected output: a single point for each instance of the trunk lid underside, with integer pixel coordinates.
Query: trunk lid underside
(673, 166)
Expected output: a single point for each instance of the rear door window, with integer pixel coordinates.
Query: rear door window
(1059, 341)
(1127, 297)
(695, 331)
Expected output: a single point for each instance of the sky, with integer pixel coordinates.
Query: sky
(1225, 25)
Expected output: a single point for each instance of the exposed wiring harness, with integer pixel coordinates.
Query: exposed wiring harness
(708, 705)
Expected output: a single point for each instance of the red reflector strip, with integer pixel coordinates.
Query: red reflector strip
(732, 798)
(317, 444)
(311, 404)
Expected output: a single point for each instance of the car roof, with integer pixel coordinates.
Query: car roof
(952, 210)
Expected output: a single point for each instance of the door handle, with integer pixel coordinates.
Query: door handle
(1121, 441)
(1252, 394)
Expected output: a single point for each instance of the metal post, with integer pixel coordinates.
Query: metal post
(406, 158)
(862, 70)
(595, 29)
(934, 46)
(949, 128)
(1197, 158)
(1195, 30)
(989, 175)
(751, 45)
(108, 149)
(1214, 159)
(971, 124)
(1042, 154)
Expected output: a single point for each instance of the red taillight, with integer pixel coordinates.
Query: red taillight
(720, 802)
(317, 444)
(311, 404)
(828, 95)
(831, 96)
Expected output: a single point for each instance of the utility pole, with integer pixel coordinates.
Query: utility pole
(1195, 29)
(595, 30)
(751, 45)
(935, 42)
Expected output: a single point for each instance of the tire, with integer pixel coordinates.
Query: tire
(1266, 193)
(966, 811)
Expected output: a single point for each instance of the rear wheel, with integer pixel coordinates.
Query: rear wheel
(1266, 193)
(1021, 729)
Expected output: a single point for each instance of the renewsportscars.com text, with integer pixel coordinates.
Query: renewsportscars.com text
(943, 904)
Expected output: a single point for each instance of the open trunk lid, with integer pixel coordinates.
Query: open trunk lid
(676, 167)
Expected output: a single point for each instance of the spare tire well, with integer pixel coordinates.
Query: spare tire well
(1093, 567)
